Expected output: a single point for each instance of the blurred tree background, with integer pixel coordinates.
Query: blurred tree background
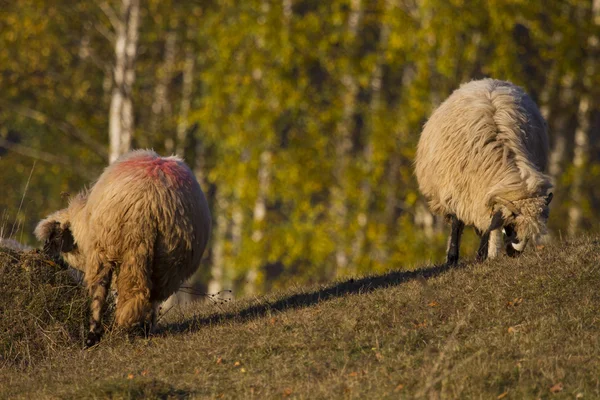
(299, 117)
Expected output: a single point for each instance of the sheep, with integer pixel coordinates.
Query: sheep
(480, 161)
(145, 221)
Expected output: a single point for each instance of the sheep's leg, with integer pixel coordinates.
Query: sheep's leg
(454, 241)
(495, 243)
(155, 311)
(98, 291)
(133, 286)
(484, 244)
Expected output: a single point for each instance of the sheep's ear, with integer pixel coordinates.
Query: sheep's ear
(549, 198)
(57, 238)
(67, 242)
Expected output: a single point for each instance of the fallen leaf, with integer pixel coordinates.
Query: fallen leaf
(242, 370)
(433, 304)
(353, 374)
(287, 392)
(503, 395)
(579, 396)
(379, 356)
(237, 364)
(399, 388)
(219, 360)
(272, 321)
(197, 371)
(557, 388)
(511, 329)
(517, 301)
(130, 376)
(418, 324)
(145, 372)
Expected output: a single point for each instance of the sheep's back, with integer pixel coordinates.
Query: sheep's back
(488, 138)
(155, 203)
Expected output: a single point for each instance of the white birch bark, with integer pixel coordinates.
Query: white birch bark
(582, 132)
(217, 269)
(161, 107)
(374, 108)
(121, 118)
(186, 100)
(339, 197)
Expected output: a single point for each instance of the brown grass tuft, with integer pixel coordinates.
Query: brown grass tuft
(42, 309)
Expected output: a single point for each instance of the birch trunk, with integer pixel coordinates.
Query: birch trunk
(186, 101)
(217, 269)
(121, 117)
(339, 196)
(582, 132)
(161, 108)
(259, 213)
(366, 190)
(550, 100)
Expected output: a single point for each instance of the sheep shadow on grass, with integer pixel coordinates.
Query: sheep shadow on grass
(301, 300)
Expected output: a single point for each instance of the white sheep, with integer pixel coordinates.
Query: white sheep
(480, 161)
(146, 221)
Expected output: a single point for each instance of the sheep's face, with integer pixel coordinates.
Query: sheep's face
(527, 220)
(58, 239)
(57, 234)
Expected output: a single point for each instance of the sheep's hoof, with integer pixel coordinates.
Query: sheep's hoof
(451, 261)
(511, 251)
(92, 339)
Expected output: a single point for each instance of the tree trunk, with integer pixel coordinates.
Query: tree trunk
(584, 114)
(186, 101)
(339, 196)
(237, 211)
(550, 99)
(259, 214)
(161, 108)
(121, 117)
(264, 174)
(580, 158)
(365, 195)
(217, 269)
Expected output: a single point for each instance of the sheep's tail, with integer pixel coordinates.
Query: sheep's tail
(134, 283)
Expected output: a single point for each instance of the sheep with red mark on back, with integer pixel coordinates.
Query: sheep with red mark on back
(145, 220)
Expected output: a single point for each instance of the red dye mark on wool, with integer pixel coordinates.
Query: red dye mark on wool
(156, 166)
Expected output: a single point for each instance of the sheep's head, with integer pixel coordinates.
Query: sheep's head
(57, 234)
(523, 220)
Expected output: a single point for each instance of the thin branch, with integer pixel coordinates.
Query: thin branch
(46, 157)
(62, 126)
(115, 21)
(108, 35)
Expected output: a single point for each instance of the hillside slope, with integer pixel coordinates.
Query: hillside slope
(509, 328)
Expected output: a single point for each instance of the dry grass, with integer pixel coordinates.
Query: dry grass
(510, 328)
(42, 310)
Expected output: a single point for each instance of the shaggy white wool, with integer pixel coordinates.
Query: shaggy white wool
(488, 140)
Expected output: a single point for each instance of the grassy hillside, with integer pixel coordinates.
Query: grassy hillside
(511, 328)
